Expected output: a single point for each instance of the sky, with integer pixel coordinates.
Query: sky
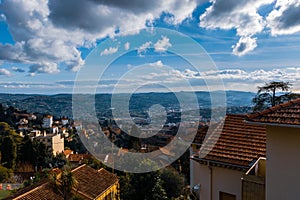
(46, 46)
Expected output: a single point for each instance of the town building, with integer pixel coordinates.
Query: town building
(223, 160)
(47, 121)
(92, 185)
(55, 142)
(283, 149)
(64, 121)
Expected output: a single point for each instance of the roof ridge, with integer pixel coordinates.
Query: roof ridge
(78, 167)
(32, 190)
(273, 109)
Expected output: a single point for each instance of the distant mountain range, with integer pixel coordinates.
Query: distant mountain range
(61, 104)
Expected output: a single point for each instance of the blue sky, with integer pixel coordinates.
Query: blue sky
(44, 43)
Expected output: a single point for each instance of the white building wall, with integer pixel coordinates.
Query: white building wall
(223, 180)
(283, 163)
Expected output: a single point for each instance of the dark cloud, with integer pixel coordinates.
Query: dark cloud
(290, 17)
(82, 14)
(136, 6)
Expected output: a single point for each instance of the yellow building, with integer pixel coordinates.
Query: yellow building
(92, 185)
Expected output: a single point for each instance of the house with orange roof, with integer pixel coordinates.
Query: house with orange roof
(92, 185)
(283, 149)
(223, 160)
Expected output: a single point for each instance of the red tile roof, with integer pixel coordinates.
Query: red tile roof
(283, 114)
(78, 157)
(239, 144)
(43, 192)
(201, 132)
(91, 184)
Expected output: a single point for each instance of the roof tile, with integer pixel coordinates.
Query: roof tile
(282, 114)
(239, 142)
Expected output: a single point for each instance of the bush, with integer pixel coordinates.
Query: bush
(4, 173)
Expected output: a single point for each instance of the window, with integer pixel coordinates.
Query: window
(226, 196)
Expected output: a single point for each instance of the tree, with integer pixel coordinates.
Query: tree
(272, 94)
(6, 130)
(172, 182)
(158, 192)
(41, 154)
(8, 152)
(64, 182)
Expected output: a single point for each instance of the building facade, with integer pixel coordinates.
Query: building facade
(221, 158)
(283, 149)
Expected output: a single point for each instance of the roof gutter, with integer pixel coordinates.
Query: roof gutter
(221, 163)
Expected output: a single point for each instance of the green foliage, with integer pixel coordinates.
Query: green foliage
(94, 163)
(6, 129)
(163, 184)
(64, 182)
(172, 182)
(272, 94)
(5, 173)
(158, 192)
(4, 193)
(8, 152)
(41, 154)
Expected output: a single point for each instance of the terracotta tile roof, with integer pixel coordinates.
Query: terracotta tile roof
(93, 183)
(283, 114)
(68, 152)
(78, 157)
(43, 192)
(201, 132)
(239, 144)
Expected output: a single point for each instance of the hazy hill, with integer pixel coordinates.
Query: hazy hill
(61, 104)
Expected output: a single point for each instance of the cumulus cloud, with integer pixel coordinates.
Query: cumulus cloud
(144, 47)
(51, 31)
(158, 63)
(162, 45)
(245, 45)
(284, 19)
(239, 15)
(108, 51)
(39, 68)
(4, 72)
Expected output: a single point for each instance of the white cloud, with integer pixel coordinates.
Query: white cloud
(243, 16)
(144, 47)
(245, 45)
(5, 72)
(51, 31)
(110, 50)
(284, 19)
(45, 67)
(158, 63)
(162, 45)
(127, 46)
(31, 74)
